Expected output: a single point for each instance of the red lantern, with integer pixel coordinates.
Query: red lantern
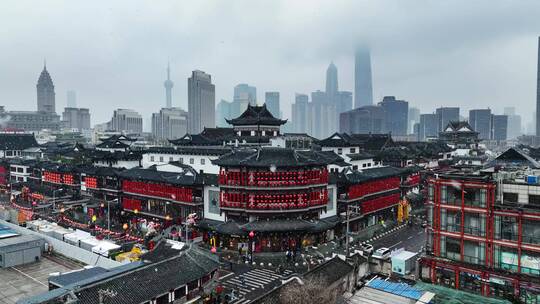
(251, 234)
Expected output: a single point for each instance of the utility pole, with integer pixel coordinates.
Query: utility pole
(347, 232)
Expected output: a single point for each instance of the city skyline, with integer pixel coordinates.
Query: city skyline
(135, 80)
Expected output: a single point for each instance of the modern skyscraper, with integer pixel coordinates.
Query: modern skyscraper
(169, 123)
(322, 118)
(343, 102)
(71, 99)
(499, 127)
(201, 102)
(427, 128)
(331, 80)
(168, 84)
(363, 89)
(76, 118)
(45, 92)
(300, 117)
(272, 103)
(480, 121)
(446, 115)
(224, 111)
(538, 91)
(514, 123)
(414, 118)
(396, 113)
(243, 91)
(126, 120)
(363, 120)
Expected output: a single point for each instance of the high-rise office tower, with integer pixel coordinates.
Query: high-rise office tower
(480, 121)
(322, 118)
(76, 118)
(446, 115)
(331, 81)
(201, 102)
(45, 92)
(168, 84)
(363, 89)
(396, 112)
(427, 128)
(414, 118)
(300, 117)
(538, 91)
(514, 123)
(169, 123)
(223, 112)
(71, 97)
(243, 91)
(343, 102)
(272, 103)
(499, 127)
(126, 120)
(363, 120)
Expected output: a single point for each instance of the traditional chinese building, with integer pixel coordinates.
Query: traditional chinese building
(281, 197)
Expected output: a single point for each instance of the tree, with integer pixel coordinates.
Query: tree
(309, 291)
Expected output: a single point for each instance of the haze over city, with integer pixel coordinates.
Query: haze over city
(431, 53)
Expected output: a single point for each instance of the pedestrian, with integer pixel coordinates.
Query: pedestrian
(294, 255)
(243, 280)
(287, 255)
(240, 249)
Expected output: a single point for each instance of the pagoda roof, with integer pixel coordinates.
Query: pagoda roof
(256, 115)
(367, 142)
(208, 137)
(278, 157)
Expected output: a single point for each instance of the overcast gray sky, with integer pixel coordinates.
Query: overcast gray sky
(114, 53)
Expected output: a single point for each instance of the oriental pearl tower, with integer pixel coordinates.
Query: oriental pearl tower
(168, 84)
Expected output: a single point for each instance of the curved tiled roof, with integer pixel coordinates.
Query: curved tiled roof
(278, 157)
(256, 115)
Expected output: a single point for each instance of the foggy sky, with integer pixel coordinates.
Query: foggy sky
(431, 53)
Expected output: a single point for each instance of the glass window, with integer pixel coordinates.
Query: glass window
(510, 197)
(213, 197)
(475, 224)
(202, 161)
(534, 200)
(453, 195)
(431, 192)
(191, 161)
(353, 150)
(530, 262)
(531, 231)
(161, 159)
(170, 159)
(339, 151)
(506, 228)
(151, 158)
(474, 197)
(453, 221)
(453, 249)
(473, 252)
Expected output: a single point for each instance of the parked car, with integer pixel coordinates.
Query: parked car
(382, 253)
(367, 249)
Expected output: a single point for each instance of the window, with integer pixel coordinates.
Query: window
(171, 159)
(20, 170)
(474, 197)
(181, 160)
(355, 167)
(430, 192)
(151, 158)
(510, 197)
(452, 221)
(534, 200)
(506, 228)
(531, 231)
(451, 195)
(161, 159)
(191, 161)
(369, 164)
(473, 252)
(475, 224)
(353, 150)
(364, 165)
(452, 248)
(202, 161)
(339, 151)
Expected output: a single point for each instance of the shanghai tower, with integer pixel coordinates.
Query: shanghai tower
(363, 90)
(538, 91)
